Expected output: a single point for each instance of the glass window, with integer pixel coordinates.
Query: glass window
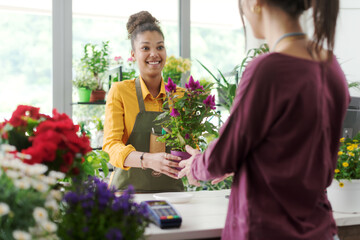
(25, 55)
(216, 36)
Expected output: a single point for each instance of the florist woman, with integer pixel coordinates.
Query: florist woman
(282, 136)
(131, 108)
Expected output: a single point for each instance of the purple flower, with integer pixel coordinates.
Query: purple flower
(71, 198)
(187, 136)
(171, 86)
(210, 102)
(174, 113)
(192, 85)
(114, 234)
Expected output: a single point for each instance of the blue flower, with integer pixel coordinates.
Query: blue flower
(114, 234)
(171, 86)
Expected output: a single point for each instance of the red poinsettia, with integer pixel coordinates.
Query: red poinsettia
(53, 141)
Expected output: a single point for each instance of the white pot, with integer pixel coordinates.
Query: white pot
(347, 198)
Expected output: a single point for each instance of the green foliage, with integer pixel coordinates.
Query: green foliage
(348, 164)
(96, 60)
(174, 67)
(227, 88)
(94, 161)
(226, 184)
(84, 79)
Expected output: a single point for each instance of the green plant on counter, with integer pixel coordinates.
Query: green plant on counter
(348, 163)
(226, 184)
(96, 60)
(250, 55)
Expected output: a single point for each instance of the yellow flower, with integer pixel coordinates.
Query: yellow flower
(351, 154)
(340, 153)
(337, 171)
(350, 148)
(341, 184)
(345, 164)
(342, 139)
(355, 145)
(355, 141)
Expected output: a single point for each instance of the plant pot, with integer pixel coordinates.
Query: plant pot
(182, 155)
(97, 96)
(347, 198)
(84, 94)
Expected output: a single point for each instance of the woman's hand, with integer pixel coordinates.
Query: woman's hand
(186, 165)
(220, 179)
(164, 163)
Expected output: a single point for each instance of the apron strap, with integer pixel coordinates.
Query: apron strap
(139, 95)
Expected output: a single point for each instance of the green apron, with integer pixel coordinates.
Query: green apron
(144, 180)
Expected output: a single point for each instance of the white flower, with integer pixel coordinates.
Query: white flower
(40, 214)
(52, 204)
(39, 186)
(48, 180)
(49, 226)
(4, 209)
(23, 156)
(22, 183)
(12, 174)
(56, 175)
(7, 148)
(21, 235)
(56, 194)
(36, 169)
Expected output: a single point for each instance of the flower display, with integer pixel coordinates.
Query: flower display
(188, 118)
(52, 141)
(128, 69)
(93, 211)
(29, 205)
(348, 165)
(174, 67)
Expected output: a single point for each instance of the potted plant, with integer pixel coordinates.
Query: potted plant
(94, 211)
(188, 119)
(85, 83)
(344, 192)
(175, 67)
(96, 60)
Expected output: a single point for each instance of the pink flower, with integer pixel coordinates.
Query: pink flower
(174, 113)
(118, 58)
(171, 86)
(210, 101)
(192, 85)
(131, 59)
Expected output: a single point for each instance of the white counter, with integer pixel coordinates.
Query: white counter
(204, 217)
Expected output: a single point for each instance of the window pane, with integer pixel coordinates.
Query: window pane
(25, 55)
(216, 36)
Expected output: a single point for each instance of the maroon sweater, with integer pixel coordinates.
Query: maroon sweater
(281, 141)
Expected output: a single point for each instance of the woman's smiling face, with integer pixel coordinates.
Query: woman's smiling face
(150, 53)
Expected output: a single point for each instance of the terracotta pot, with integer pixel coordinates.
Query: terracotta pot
(97, 96)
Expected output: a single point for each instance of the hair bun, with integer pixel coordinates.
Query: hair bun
(138, 19)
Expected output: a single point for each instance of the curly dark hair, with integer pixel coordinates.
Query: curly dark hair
(141, 22)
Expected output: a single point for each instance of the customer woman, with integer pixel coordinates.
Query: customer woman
(131, 107)
(282, 136)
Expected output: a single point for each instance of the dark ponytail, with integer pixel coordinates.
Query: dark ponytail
(325, 15)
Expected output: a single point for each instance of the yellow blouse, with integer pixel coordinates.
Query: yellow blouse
(120, 113)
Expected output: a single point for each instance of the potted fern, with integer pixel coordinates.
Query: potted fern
(96, 60)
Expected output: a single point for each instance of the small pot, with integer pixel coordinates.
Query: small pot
(183, 155)
(97, 96)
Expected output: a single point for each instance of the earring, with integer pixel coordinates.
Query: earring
(256, 9)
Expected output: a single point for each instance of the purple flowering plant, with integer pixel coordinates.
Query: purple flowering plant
(93, 211)
(187, 119)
